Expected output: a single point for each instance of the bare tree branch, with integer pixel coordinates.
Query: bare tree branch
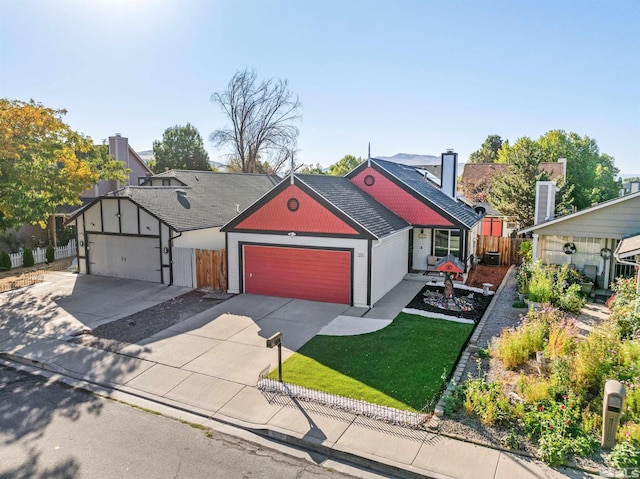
(263, 118)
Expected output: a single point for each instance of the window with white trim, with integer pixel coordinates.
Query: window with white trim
(446, 242)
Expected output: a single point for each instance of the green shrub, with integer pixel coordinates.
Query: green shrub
(487, 401)
(51, 254)
(523, 276)
(625, 308)
(534, 389)
(557, 427)
(540, 288)
(629, 431)
(626, 455)
(27, 258)
(526, 251)
(570, 300)
(5, 261)
(594, 360)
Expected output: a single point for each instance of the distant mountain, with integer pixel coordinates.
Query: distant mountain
(219, 166)
(145, 155)
(412, 160)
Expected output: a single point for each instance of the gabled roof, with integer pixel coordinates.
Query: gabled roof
(629, 247)
(182, 209)
(211, 199)
(585, 211)
(214, 179)
(355, 203)
(426, 191)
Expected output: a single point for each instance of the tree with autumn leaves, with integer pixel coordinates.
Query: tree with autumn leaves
(45, 164)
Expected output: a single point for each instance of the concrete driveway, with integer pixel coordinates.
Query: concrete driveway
(225, 344)
(66, 303)
(228, 341)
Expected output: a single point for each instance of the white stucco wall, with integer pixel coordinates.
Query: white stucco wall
(360, 257)
(209, 238)
(389, 263)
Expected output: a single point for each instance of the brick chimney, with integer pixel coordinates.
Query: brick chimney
(449, 173)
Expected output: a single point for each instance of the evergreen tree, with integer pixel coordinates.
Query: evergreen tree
(514, 192)
(181, 148)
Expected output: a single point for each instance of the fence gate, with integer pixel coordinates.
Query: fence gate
(184, 265)
(211, 269)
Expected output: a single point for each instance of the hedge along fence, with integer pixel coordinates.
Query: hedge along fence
(40, 254)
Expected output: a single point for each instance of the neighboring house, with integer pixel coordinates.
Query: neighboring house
(121, 150)
(630, 186)
(475, 183)
(348, 239)
(132, 232)
(34, 235)
(588, 237)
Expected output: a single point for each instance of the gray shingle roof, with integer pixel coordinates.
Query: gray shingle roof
(355, 203)
(415, 180)
(212, 199)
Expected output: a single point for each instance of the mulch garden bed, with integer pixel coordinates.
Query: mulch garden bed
(119, 334)
(431, 297)
(482, 273)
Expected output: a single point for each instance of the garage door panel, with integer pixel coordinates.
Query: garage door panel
(311, 274)
(131, 257)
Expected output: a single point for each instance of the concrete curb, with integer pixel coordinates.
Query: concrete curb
(113, 391)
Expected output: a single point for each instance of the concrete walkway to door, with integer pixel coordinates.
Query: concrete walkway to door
(205, 370)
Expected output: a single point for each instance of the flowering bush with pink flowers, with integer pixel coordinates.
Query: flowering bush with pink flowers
(557, 427)
(557, 403)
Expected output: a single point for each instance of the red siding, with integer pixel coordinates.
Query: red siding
(311, 216)
(492, 227)
(398, 200)
(311, 274)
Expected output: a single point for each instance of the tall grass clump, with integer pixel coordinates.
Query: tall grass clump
(515, 346)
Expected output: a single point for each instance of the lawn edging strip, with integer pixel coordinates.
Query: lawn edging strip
(428, 314)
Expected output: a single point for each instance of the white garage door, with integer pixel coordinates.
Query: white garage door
(130, 257)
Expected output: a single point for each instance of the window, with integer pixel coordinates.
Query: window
(141, 179)
(166, 182)
(446, 242)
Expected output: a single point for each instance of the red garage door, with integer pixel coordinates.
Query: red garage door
(312, 274)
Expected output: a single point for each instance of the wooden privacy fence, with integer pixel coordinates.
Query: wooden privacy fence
(507, 247)
(211, 269)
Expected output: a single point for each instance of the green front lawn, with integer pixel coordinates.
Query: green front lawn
(399, 366)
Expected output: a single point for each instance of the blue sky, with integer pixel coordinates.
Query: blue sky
(407, 76)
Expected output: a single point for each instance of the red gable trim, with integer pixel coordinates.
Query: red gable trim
(398, 200)
(309, 217)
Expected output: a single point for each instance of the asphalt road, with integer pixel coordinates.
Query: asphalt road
(49, 430)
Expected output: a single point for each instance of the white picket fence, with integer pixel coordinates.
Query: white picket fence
(40, 254)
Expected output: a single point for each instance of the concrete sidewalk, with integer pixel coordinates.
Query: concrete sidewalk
(208, 366)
